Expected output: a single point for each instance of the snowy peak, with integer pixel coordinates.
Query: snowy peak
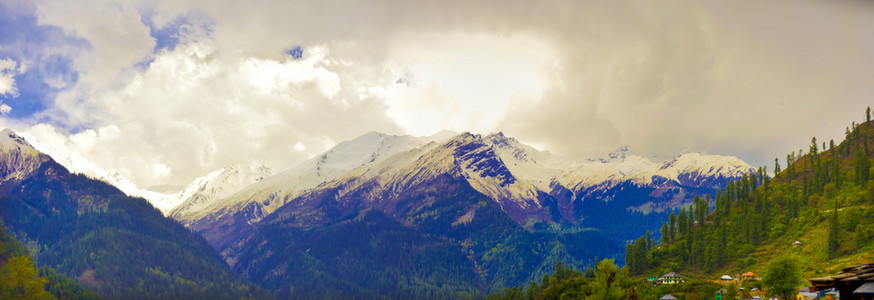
(18, 158)
(696, 169)
(475, 155)
(9, 139)
(264, 196)
(218, 184)
(708, 165)
(366, 149)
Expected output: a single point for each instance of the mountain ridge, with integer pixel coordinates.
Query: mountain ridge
(112, 243)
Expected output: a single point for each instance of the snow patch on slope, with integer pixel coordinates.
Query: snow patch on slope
(216, 185)
(273, 192)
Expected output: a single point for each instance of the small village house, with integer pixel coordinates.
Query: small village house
(805, 294)
(671, 278)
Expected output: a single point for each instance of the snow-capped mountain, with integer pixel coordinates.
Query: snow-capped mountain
(261, 198)
(694, 169)
(532, 186)
(215, 185)
(523, 180)
(18, 158)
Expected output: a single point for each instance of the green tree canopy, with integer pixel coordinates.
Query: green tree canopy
(607, 279)
(19, 280)
(783, 277)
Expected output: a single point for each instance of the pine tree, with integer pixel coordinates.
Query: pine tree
(776, 166)
(673, 226)
(607, 281)
(682, 221)
(666, 235)
(649, 241)
(533, 290)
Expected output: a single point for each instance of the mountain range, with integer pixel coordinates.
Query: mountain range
(497, 211)
(537, 189)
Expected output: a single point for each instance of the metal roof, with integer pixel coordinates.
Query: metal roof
(867, 288)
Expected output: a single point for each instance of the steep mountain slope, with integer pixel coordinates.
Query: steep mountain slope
(20, 279)
(230, 217)
(438, 238)
(86, 229)
(823, 199)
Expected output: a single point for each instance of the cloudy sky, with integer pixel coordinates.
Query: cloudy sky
(166, 91)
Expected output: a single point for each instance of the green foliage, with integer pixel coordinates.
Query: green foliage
(834, 232)
(823, 198)
(114, 244)
(608, 282)
(65, 288)
(731, 291)
(633, 294)
(783, 277)
(19, 280)
(635, 256)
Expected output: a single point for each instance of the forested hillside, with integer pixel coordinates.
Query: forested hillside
(20, 279)
(824, 199)
(118, 246)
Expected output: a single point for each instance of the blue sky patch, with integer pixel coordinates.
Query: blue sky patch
(46, 51)
(296, 52)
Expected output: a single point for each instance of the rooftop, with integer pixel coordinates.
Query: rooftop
(867, 288)
(853, 275)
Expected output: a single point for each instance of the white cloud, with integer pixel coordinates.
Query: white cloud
(8, 69)
(463, 82)
(197, 108)
(742, 77)
(115, 31)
